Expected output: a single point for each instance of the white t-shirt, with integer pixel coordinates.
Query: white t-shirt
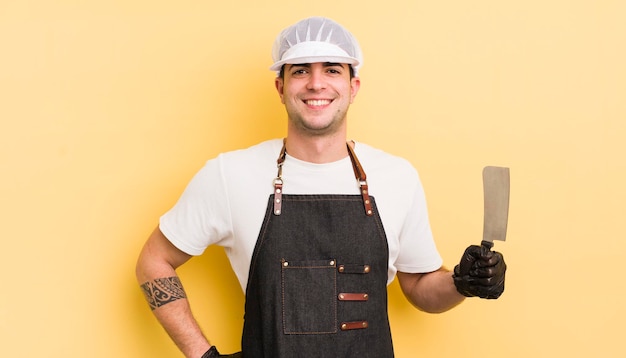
(226, 201)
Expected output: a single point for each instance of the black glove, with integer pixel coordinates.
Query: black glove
(480, 273)
(213, 353)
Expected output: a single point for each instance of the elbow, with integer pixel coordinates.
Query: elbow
(438, 307)
(433, 292)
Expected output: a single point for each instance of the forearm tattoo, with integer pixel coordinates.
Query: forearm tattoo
(162, 291)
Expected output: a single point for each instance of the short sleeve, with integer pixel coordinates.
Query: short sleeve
(417, 250)
(200, 217)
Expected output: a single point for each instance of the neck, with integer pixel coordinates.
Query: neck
(319, 150)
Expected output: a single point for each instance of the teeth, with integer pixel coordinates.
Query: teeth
(318, 102)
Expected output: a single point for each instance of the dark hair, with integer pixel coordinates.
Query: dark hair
(281, 74)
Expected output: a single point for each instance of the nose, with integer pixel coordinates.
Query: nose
(316, 78)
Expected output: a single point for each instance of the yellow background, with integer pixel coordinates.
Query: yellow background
(108, 108)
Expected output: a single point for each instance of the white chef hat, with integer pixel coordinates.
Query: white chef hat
(316, 39)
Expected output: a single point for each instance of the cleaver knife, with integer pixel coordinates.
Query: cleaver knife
(496, 186)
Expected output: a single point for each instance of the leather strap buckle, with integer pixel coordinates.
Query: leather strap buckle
(278, 195)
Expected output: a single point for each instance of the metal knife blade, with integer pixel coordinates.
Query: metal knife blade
(496, 187)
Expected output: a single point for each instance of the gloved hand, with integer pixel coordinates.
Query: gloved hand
(480, 273)
(213, 353)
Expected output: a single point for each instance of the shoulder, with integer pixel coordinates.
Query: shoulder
(241, 164)
(267, 149)
(263, 154)
(376, 161)
(393, 179)
(247, 168)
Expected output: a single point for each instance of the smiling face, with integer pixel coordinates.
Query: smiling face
(317, 96)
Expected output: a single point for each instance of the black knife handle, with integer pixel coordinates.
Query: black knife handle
(485, 247)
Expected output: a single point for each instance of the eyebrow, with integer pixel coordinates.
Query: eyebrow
(326, 64)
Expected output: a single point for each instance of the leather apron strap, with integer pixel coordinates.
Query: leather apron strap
(359, 174)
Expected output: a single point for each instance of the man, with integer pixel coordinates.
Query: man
(312, 238)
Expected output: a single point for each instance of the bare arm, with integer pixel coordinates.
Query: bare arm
(155, 272)
(432, 292)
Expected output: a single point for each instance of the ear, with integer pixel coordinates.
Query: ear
(355, 84)
(280, 85)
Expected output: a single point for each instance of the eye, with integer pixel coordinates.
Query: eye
(298, 71)
(335, 70)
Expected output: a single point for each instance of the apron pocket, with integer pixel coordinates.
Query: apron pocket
(309, 290)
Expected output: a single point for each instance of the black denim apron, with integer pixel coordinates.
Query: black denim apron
(317, 285)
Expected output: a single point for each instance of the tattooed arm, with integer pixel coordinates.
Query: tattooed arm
(164, 292)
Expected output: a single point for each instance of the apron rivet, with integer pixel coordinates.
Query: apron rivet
(366, 268)
(278, 190)
(277, 212)
(285, 263)
(278, 200)
(332, 263)
(344, 327)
